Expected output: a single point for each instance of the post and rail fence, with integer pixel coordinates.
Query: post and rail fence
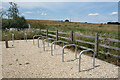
(71, 38)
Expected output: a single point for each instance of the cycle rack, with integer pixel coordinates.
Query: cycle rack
(54, 45)
(34, 37)
(25, 37)
(42, 40)
(81, 54)
(13, 38)
(48, 40)
(66, 46)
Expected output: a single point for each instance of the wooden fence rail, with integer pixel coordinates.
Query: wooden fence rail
(85, 42)
(85, 36)
(112, 40)
(64, 33)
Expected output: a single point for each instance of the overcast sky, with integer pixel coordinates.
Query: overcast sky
(93, 12)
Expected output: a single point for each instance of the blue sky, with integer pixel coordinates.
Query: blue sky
(92, 12)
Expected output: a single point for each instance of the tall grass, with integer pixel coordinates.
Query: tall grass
(104, 30)
(19, 35)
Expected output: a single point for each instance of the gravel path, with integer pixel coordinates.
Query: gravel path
(0, 59)
(27, 61)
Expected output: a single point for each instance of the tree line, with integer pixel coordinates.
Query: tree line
(113, 23)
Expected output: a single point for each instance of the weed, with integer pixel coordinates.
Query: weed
(16, 59)
(20, 64)
(27, 63)
(10, 64)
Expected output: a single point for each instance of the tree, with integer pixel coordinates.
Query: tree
(13, 11)
(21, 23)
(2, 13)
(14, 21)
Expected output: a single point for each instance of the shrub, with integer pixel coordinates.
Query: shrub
(19, 23)
(67, 20)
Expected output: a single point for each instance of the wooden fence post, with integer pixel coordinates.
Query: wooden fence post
(40, 30)
(6, 41)
(56, 35)
(46, 33)
(72, 36)
(96, 43)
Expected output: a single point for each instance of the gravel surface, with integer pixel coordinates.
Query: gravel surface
(0, 59)
(24, 60)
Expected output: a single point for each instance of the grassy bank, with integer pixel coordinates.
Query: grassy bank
(104, 30)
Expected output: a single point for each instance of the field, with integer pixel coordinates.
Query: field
(104, 30)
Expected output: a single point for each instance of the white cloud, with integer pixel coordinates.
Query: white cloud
(22, 14)
(28, 12)
(93, 14)
(25, 15)
(39, 11)
(1, 7)
(43, 14)
(113, 13)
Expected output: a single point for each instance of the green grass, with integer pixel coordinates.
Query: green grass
(27, 63)
(16, 59)
(10, 64)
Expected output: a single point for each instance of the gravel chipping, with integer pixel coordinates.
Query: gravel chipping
(23, 60)
(0, 59)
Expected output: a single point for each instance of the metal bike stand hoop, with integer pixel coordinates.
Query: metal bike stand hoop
(34, 37)
(54, 44)
(66, 46)
(81, 54)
